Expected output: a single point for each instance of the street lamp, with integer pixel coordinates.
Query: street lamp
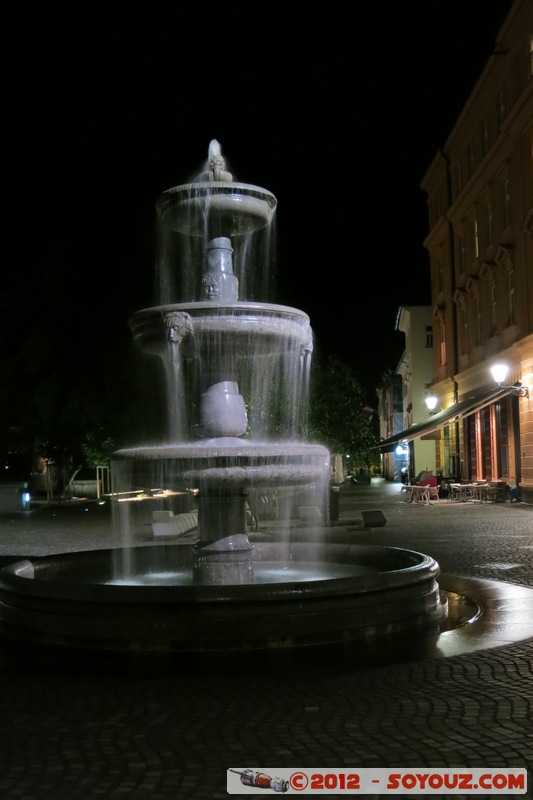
(431, 402)
(499, 373)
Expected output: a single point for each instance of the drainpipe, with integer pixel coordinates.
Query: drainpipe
(454, 354)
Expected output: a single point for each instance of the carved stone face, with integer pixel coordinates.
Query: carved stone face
(178, 325)
(212, 287)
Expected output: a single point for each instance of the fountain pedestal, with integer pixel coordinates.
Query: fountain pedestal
(223, 553)
(226, 562)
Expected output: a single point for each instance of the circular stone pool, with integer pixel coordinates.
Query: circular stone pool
(117, 600)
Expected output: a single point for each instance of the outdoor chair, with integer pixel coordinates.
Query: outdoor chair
(432, 493)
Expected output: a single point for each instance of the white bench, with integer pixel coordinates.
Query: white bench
(166, 525)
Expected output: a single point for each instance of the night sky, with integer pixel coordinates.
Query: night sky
(336, 108)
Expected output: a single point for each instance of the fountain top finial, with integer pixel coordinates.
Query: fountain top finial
(217, 204)
(216, 170)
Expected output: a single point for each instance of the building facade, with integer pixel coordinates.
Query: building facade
(479, 191)
(402, 396)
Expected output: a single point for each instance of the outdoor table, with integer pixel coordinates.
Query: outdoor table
(461, 491)
(479, 491)
(469, 491)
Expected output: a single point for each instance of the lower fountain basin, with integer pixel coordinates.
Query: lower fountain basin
(74, 600)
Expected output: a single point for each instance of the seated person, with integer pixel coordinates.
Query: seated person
(514, 491)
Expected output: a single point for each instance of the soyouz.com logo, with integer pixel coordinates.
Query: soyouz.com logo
(247, 780)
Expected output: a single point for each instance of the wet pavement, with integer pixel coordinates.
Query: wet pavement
(105, 727)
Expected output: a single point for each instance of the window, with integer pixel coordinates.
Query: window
(490, 220)
(464, 343)
(510, 289)
(494, 311)
(486, 139)
(507, 202)
(471, 159)
(438, 270)
(460, 299)
(503, 435)
(502, 106)
(459, 178)
(478, 320)
(462, 258)
(438, 315)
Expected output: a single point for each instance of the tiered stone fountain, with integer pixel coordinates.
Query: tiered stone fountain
(236, 377)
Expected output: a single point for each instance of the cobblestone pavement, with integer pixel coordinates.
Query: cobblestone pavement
(105, 729)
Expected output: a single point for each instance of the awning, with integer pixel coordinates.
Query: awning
(458, 410)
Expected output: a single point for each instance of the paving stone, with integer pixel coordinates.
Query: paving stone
(82, 730)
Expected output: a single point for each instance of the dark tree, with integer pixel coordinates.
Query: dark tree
(339, 416)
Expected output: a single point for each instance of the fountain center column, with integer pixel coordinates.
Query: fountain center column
(223, 553)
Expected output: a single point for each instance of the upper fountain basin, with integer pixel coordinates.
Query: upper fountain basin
(217, 207)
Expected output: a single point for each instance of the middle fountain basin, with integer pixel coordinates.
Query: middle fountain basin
(223, 461)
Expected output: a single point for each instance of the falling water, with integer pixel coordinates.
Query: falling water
(236, 370)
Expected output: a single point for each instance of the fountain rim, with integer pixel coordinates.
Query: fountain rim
(190, 205)
(200, 189)
(207, 305)
(13, 580)
(221, 448)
